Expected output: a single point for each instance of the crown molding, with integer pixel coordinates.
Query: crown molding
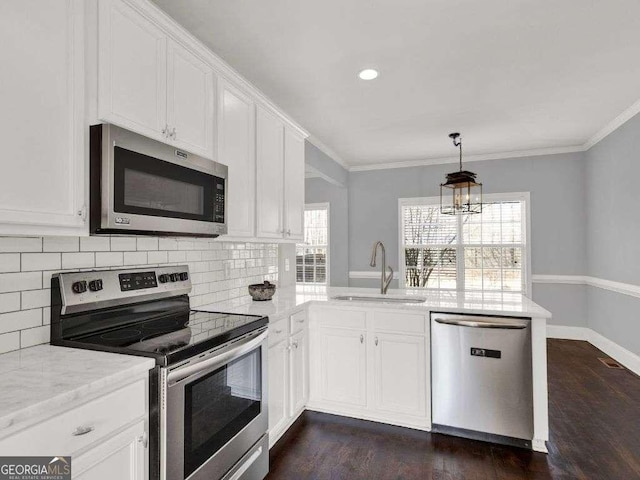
(613, 125)
(328, 151)
(467, 158)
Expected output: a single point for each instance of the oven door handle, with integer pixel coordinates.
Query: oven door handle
(212, 363)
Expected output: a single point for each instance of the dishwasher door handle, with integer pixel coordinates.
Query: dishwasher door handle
(460, 322)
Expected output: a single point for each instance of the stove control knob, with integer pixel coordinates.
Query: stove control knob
(175, 277)
(95, 285)
(164, 278)
(184, 276)
(79, 287)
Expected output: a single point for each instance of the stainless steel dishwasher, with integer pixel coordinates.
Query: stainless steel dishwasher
(481, 378)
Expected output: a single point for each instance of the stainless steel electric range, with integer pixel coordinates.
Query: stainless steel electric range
(208, 395)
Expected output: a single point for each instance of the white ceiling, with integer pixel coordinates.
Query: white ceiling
(511, 75)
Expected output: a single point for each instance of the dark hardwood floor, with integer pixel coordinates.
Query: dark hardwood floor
(594, 423)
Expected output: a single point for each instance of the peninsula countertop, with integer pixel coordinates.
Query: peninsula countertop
(44, 378)
(289, 299)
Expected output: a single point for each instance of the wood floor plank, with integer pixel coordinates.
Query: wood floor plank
(594, 419)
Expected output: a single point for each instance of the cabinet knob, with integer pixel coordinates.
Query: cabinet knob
(295, 345)
(165, 131)
(82, 431)
(376, 341)
(277, 331)
(361, 338)
(173, 133)
(289, 232)
(301, 321)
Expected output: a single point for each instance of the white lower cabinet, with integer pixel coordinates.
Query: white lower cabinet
(342, 357)
(399, 373)
(122, 457)
(288, 373)
(370, 364)
(106, 436)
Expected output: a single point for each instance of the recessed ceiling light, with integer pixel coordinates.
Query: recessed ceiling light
(368, 74)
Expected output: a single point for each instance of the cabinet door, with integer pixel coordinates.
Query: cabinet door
(132, 70)
(123, 456)
(269, 176)
(189, 101)
(293, 185)
(278, 365)
(299, 377)
(42, 127)
(343, 366)
(236, 149)
(399, 373)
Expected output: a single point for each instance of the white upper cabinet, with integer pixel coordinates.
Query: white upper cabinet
(149, 83)
(236, 149)
(190, 109)
(132, 70)
(270, 174)
(42, 127)
(293, 185)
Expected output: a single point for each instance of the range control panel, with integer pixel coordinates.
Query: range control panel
(82, 291)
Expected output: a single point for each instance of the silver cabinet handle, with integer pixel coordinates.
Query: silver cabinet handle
(277, 331)
(301, 321)
(376, 341)
(295, 345)
(165, 131)
(481, 324)
(361, 338)
(289, 232)
(82, 431)
(173, 133)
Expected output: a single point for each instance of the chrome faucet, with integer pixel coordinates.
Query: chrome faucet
(384, 280)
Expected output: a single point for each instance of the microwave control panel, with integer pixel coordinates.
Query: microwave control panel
(218, 200)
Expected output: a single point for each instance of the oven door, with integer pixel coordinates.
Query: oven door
(149, 187)
(215, 411)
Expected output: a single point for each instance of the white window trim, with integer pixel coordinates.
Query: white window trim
(319, 206)
(486, 198)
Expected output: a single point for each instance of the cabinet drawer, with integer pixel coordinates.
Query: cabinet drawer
(105, 415)
(298, 321)
(398, 322)
(334, 317)
(278, 331)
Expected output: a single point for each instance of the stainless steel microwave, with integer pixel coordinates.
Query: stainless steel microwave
(144, 187)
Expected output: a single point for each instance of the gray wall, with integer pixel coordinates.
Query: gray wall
(334, 191)
(613, 230)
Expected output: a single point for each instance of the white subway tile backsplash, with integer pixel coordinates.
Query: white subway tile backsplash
(168, 244)
(157, 257)
(9, 262)
(109, 259)
(9, 341)
(95, 244)
(35, 336)
(9, 302)
(36, 298)
(20, 244)
(135, 258)
(147, 243)
(11, 322)
(61, 244)
(78, 260)
(123, 244)
(15, 282)
(27, 265)
(32, 262)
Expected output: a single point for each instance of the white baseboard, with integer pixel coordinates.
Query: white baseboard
(567, 333)
(629, 359)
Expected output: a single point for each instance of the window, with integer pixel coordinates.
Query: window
(481, 252)
(312, 257)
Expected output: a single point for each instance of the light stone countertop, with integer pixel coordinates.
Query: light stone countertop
(41, 379)
(289, 299)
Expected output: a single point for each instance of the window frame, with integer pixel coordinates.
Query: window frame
(317, 206)
(524, 197)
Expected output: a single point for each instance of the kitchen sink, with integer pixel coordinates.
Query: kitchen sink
(356, 298)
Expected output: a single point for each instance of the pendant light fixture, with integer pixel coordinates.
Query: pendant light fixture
(461, 193)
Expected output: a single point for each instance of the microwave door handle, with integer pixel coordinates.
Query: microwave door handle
(215, 361)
